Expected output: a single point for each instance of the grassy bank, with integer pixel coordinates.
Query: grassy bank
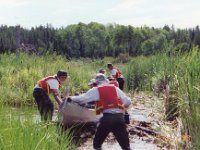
(189, 94)
(20, 131)
(181, 73)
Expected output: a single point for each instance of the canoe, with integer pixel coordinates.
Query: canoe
(72, 113)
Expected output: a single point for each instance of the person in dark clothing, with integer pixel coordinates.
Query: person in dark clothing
(117, 74)
(112, 123)
(43, 88)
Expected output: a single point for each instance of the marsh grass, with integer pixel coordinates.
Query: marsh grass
(19, 131)
(182, 73)
(20, 73)
(189, 96)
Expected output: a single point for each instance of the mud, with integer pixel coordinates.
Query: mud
(141, 135)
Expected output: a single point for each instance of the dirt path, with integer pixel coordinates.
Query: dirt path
(147, 130)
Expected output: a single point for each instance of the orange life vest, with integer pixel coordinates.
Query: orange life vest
(44, 85)
(114, 82)
(118, 73)
(108, 99)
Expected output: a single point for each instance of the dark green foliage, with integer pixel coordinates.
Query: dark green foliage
(95, 40)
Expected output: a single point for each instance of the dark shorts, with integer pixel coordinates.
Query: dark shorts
(114, 123)
(44, 103)
(121, 83)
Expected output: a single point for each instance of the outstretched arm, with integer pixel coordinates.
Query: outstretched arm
(57, 97)
(89, 96)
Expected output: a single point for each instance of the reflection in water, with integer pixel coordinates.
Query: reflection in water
(23, 114)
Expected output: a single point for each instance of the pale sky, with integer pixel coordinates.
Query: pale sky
(153, 13)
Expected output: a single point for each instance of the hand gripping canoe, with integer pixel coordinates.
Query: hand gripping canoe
(72, 113)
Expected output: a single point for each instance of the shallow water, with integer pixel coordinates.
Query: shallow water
(137, 115)
(23, 113)
(136, 145)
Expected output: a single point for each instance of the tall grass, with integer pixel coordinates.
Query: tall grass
(19, 74)
(144, 72)
(182, 74)
(20, 132)
(189, 94)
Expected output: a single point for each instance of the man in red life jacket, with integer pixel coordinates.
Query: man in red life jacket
(92, 83)
(113, 81)
(103, 71)
(117, 74)
(43, 88)
(110, 101)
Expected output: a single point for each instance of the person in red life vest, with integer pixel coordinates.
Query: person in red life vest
(117, 74)
(103, 71)
(113, 81)
(92, 83)
(111, 101)
(43, 88)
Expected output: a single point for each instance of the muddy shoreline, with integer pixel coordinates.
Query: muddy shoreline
(145, 128)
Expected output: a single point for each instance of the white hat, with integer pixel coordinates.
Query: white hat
(100, 78)
(92, 81)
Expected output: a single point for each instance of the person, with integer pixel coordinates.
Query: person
(103, 71)
(117, 74)
(110, 101)
(43, 88)
(113, 81)
(92, 83)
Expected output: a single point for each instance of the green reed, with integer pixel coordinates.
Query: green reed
(20, 73)
(20, 131)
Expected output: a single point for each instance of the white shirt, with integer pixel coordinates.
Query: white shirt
(114, 72)
(53, 84)
(93, 95)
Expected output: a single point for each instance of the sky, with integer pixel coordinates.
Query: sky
(60, 13)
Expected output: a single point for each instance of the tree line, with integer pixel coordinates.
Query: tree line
(96, 40)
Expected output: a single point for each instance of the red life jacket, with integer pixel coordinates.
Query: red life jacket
(118, 73)
(108, 99)
(44, 85)
(114, 82)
